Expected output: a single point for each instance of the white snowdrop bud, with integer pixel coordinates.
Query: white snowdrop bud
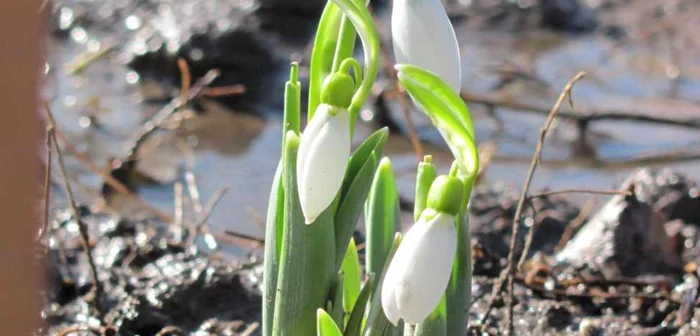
(423, 36)
(420, 270)
(324, 148)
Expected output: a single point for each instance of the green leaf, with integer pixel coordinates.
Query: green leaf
(336, 310)
(446, 110)
(354, 325)
(435, 323)
(307, 262)
(459, 289)
(350, 268)
(323, 53)
(325, 325)
(374, 143)
(361, 167)
(377, 323)
(427, 172)
(382, 217)
(292, 102)
(273, 233)
(350, 208)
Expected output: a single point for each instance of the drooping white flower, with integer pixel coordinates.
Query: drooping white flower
(324, 150)
(420, 270)
(423, 36)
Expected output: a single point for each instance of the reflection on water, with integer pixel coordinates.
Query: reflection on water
(102, 106)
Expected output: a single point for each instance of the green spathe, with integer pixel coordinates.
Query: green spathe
(446, 194)
(337, 90)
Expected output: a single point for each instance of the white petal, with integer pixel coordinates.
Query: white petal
(423, 36)
(389, 305)
(314, 125)
(424, 264)
(323, 163)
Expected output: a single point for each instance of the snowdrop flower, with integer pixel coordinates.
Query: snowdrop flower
(420, 270)
(324, 148)
(423, 36)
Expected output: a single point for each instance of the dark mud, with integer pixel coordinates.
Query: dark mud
(628, 279)
(154, 282)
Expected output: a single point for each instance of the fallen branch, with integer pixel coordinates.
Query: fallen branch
(523, 196)
(160, 118)
(684, 114)
(84, 234)
(108, 178)
(201, 224)
(47, 186)
(580, 191)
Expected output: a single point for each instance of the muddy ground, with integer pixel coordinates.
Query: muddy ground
(634, 270)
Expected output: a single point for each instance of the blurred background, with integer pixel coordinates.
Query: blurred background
(112, 65)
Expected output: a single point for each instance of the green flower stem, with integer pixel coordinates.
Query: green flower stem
(307, 261)
(382, 217)
(364, 24)
(427, 172)
(322, 56)
(459, 289)
(292, 102)
(346, 43)
(273, 239)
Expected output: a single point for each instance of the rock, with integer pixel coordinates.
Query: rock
(569, 15)
(627, 237)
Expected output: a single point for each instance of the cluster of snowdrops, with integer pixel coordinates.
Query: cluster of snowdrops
(418, 283)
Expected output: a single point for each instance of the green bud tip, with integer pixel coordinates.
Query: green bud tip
(428, 159)
(446, 194)
(294, 72)
(337, 90)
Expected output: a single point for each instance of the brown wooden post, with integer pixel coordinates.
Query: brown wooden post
(20, 167)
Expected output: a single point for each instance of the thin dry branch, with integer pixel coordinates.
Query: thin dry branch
(179, 211)
(107, 177)
(665, 114)
(511, 269)
(47, 186)
(580, 191)
(221, 91)
(84, 234)
(201, 225)
(160, 118)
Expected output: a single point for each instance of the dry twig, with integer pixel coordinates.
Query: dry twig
(160, 118)
(511, 269)
(108, 178)
(171, 331)
(250, 329)
(84, 234)
(580, 191)
(685, 119)
(201, 224)
(47, 186)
